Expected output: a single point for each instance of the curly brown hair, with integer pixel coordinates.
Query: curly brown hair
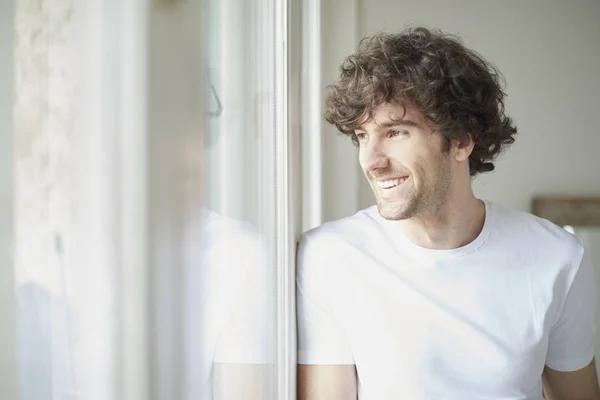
(459, 93)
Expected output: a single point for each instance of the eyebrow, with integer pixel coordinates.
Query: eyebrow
(393, 122)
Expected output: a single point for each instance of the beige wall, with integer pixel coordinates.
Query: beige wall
(341, 172)
(549, 54)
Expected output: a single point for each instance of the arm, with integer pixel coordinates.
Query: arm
(570, 372)
(243, 360)
(575, 385)
(327, 382)
(326, 366)
(242, 381)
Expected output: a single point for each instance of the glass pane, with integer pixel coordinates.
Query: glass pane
(239, 186)
(212, 262)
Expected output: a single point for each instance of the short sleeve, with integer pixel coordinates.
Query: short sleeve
(321, 340)
(247, 336)
(572, 338)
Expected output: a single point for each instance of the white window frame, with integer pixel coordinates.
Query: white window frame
(311, 104)
(288, 31)
(131, 188)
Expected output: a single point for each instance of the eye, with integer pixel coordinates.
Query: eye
(398, 132)
(361, 136)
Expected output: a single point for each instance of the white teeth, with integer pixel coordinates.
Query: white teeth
(390, 183)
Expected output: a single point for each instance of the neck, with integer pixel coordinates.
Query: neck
(455, 224)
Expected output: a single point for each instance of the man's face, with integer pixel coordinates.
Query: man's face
(405, 162)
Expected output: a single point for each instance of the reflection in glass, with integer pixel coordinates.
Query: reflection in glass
(237, 276)
(210, 266)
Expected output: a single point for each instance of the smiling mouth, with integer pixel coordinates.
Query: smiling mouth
(391, 183)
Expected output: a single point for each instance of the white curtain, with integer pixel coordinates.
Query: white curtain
(64, 267)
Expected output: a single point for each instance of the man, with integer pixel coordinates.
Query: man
(433, 293)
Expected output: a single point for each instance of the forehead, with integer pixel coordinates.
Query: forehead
(388, 113)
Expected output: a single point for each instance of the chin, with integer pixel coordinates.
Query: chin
(393, 213)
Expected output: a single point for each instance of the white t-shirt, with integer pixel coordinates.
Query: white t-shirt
(476, 322)
(229, 306)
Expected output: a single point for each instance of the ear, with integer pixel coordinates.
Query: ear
(463, 147)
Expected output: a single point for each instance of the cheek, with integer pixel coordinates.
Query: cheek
(424, 167)
(409, 153)
(436, 168)
(361, 158)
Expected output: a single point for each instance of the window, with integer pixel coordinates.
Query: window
(155, 165)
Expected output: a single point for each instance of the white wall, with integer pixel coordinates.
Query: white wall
(549, 54)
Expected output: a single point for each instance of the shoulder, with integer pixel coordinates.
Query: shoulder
(324, 246)
(220, 232)
(354, 229)
(526, 233)
(532, 228)
(223, 245)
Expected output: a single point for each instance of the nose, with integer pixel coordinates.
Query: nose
(374, 157)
